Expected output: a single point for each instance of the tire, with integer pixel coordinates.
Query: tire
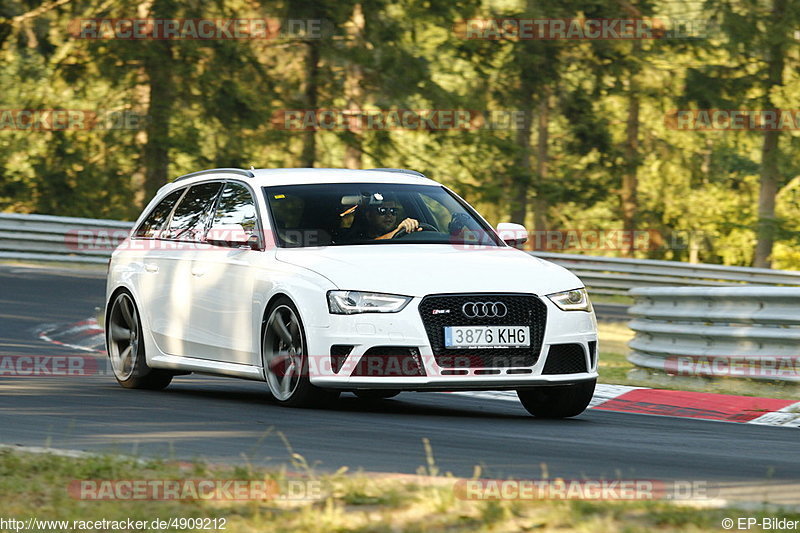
(375, 394)
(125, 347)
(559, 401)
(284, 356)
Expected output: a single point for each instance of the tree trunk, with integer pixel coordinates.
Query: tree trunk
(630, 178)
(158, 67)
(309, 155)
(141, 104)
(542, 162)
(770, 151)
(768, 190)
(522, 168)
(354, 93)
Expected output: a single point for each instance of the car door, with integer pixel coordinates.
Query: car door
(223, 282)
(147, 253)
(172, 299)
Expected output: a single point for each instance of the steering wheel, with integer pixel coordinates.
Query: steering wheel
(423, 226)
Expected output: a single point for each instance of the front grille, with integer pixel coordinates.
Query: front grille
(523, 310)
(390, 361)
(565, 359)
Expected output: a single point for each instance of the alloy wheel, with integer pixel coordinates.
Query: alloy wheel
(123, 336)
(283, 352)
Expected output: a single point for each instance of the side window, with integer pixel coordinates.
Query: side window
(190, 217)
(236, 206)
(154, 223)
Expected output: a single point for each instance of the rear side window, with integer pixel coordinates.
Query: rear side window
(190, 217)
(155, 221)
(236, 206)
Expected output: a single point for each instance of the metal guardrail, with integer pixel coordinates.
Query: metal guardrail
(615, 275)
(86, 240)
(65, 239)
(749, 332)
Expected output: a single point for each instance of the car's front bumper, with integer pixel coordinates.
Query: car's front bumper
(406, 329)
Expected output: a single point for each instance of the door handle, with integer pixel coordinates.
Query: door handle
(197, 272)
(151, 267)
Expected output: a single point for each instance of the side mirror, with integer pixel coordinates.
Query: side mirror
(232, 235)
(512, 234)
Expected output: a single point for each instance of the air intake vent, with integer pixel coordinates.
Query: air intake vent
(390, 361)
(565, 359)
(339, 353)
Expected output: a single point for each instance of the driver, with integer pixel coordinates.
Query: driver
(382, 221)
(376, 219)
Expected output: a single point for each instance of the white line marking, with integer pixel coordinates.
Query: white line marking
(602, 394)
(789, 416)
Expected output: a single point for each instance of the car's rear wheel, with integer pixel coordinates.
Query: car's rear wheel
(558, 401)
(375, 394)
(125, 346)
(285, 358)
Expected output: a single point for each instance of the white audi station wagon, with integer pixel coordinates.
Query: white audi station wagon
(323, 281)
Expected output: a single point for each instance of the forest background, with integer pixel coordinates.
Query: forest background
(584, 139)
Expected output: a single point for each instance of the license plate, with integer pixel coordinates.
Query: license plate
(486, 336)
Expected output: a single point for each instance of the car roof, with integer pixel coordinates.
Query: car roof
(263, 177)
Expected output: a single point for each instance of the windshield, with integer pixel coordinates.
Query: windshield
(334, 214)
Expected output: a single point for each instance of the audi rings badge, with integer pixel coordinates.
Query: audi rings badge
(484, 309)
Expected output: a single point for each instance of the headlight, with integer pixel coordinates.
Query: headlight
(351, 302)
(574, 300)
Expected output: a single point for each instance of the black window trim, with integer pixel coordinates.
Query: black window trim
(205, 227)
(259, 225)
(167, 222)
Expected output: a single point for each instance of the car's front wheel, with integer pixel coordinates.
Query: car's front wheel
(125, 346)
(558, 401)
(285, 358)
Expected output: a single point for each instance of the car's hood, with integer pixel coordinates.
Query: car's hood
(420, 269)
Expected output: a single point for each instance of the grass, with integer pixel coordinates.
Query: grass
(615, 369)
(35, 485)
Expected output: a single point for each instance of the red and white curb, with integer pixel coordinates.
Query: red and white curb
(87, 335)
(684, 404)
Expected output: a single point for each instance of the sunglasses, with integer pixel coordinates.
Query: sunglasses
(384, 210)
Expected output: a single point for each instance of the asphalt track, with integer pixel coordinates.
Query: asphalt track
(227, 420)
